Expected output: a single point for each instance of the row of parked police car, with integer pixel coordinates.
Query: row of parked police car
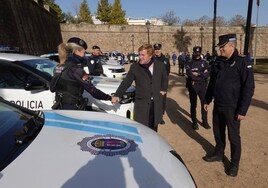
(40, 147)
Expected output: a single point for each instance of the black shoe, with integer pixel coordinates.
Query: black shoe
(195, 126)
(162, 122)
(233, 170)
(213, 158)
(206, 125)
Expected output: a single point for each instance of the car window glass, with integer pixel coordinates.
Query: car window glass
(14, 78)
(12, 120)
(43, 65)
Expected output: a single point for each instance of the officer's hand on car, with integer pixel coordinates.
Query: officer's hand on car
(115, 99)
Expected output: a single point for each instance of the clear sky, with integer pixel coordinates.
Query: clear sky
(185, 9)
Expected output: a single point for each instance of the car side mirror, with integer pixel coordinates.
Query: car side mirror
(35, 85)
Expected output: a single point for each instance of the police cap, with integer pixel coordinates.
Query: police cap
(78, 41)
(224, 39)
(197, 50)
(95, 47)
(157, 46)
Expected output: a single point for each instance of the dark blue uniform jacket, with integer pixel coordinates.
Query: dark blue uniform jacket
(166, 62)
(75, 72)
(231, 83)
(199, 66)
(94, 65)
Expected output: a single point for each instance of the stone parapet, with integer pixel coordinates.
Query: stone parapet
(119, 37)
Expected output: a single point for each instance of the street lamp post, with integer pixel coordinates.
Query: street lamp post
(132, 40)
(241, 43)
(201, 33)
(148, 26)
(214, 29)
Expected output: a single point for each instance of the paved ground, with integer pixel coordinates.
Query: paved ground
(193, 145)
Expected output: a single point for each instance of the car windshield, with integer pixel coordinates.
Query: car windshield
(18, 126)
(43, 65)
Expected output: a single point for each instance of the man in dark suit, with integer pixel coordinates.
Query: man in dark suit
(151, 83)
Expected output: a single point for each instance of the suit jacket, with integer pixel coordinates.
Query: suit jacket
(148, 87)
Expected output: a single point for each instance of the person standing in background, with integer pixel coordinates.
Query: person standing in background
(94, 62)
(197, 71)
(159, 56)
(182, 61)
(174, 58)
(231, 86)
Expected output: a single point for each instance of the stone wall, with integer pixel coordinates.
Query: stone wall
(119, 37)
(27, 25)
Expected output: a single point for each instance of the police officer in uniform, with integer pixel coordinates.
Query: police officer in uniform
(159, 56)
(94, 62)
(197, 72)
(232, 87)
(73, 80)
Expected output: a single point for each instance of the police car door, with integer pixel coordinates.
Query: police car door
(24, 87)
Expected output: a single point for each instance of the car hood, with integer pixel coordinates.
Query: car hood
(112, 62)
(95, 150)
(111, 66)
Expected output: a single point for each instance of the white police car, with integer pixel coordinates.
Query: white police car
(24, 80)
(110, 69)
(77, 149)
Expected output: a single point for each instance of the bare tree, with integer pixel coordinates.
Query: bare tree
(237, 20)
(170, 18)
(188, 22)
(69, 18)
(220, 21)
(204, 20)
